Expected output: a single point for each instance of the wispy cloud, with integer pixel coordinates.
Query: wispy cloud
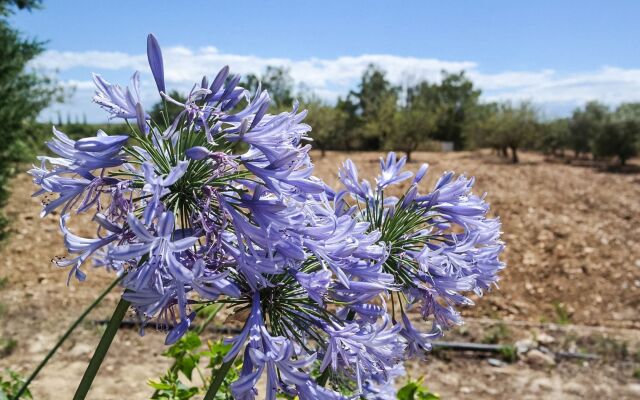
(330, 78)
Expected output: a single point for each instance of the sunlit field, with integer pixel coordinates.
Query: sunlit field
(572, 285)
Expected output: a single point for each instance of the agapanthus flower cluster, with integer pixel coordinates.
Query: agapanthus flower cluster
(220, 205)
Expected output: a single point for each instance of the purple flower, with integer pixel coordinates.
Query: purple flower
(418, 342)
(160, 247)
(101, 151)
(316, 283)
(154, 55)
(71, 177)
(84, 247)
(156, 185)
(116, 101)
(365, 350)
(391, 171)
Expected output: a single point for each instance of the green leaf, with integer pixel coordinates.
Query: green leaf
(414, 390)
(408, 391)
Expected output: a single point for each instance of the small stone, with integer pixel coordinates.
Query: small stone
(522, 346)
(575, 388)
(80, 349)
(633, 389)
(494, 362)
(541, 384)
(545, 338)
(538, 358)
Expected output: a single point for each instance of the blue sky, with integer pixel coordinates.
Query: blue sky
(558, 54)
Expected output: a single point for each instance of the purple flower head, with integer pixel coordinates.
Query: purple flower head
(221, 206)
(439, 246)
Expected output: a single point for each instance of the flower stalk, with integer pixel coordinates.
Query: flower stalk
(101, 351)
(64, 337)
(218, 378)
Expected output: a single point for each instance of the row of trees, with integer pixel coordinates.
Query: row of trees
(594, 129)
(380, 115)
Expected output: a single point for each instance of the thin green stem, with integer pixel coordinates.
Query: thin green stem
(101, 350)
(218, 379)
(64, 337)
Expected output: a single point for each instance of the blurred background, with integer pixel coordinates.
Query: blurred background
(540, 102)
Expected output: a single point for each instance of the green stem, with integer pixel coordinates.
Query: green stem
(101, 350)
(64, 337)
(322, 380)
(218, 379)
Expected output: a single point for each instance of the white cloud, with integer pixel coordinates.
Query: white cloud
(330, 78)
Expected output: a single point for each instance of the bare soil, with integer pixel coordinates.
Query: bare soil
(573, 279)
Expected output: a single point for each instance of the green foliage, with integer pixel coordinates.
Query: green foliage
(457, 98)
(188, 354)
(608, 347)
(414, 390)
(585, 125)
(277, 81)
(328, 124)
(184, 352)
(417, 121)
(509, 354)
(554, 136)
(377, 101)
(618, 134)
(7, 346)
(505, 126)
(617, 138)
(562, 314)
(10, 384)
(23, 92)
(351, 136)
(497, 333)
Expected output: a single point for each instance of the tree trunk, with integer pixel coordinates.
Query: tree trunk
(323, 152)
(505, 154)
(514, 155)
(408, 153)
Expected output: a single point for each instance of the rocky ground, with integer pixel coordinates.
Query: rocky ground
(572, 284)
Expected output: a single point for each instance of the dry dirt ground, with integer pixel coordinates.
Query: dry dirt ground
(572, 284)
